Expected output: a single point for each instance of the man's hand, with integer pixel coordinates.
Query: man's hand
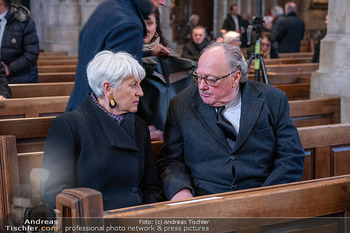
(182, 194)
(6, 69)
(2, 98)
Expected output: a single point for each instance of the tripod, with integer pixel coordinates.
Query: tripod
(258, 63)
(259, 60)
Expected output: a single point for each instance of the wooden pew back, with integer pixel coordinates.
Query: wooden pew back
(327, 150)
(315, 111)
(56, 77)
(33, 107)
(25, 90)
(290, 204)
(30, 133)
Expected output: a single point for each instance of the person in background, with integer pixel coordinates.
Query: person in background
(193, 21)
(316, 56)
(290, 31)
(114, 25)
(192, 50)
(102, 145)
(267, 26)
(154, 44)
(277, 15)
(266, 46)
(160, 83)
(233, 38)
(220, 37)
(5, 91)
(19, 43)
(227, 133)
(234, 22)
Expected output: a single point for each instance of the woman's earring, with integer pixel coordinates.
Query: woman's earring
(112, 103)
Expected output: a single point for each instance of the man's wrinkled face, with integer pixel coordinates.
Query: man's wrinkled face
(212, 64)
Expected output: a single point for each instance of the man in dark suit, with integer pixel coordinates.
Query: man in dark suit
(227, 133)
(290, 30)
(115, 25)
(235, 22)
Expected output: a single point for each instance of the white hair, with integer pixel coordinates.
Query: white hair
(230, 36)
(277, 10)
(111, 67)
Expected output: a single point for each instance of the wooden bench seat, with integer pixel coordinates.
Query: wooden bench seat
(33, 106)
(25, 90)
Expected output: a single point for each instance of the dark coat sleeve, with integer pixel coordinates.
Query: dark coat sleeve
(150, 183)
(288, 165)
(171, 167)
(5, 90)
(190, 52)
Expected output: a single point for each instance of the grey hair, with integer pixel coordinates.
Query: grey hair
(234, 58)
(192, 17)
(291, 6)
(277, 10)
(111, 67)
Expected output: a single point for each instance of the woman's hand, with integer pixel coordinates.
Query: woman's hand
(156, 134)
(160, 50)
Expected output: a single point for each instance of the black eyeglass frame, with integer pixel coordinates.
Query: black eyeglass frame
(196, 78)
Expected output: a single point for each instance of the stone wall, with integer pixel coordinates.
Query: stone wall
(333, 77)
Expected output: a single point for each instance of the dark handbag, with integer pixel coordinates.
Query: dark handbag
(165, 77)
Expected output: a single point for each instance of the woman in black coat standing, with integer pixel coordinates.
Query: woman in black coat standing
(103, 145)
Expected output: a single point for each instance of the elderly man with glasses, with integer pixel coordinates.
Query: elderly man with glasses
(227, 133)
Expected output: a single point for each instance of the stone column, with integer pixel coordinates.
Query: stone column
(166, 28)
(333, 77)
(87, 7)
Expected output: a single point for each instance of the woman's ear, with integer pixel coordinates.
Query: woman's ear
(107, 88)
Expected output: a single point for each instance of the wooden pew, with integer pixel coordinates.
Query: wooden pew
(56, 77)
(58, 53)
(284, 78)
(315, 111)
(57, 68)
(281, 208)
(294, 55)
(30, 133)
(317, 141)
(295, 91)
(327, 150)
(28, 130)
(25, 90)
(304, 68)
(285, 60)
(33, 107)
(58, 61)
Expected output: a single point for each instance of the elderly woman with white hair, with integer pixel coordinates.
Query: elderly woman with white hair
(102, 145)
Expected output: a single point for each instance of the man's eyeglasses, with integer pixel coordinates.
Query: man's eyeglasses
(263, 44)
(209, 80)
